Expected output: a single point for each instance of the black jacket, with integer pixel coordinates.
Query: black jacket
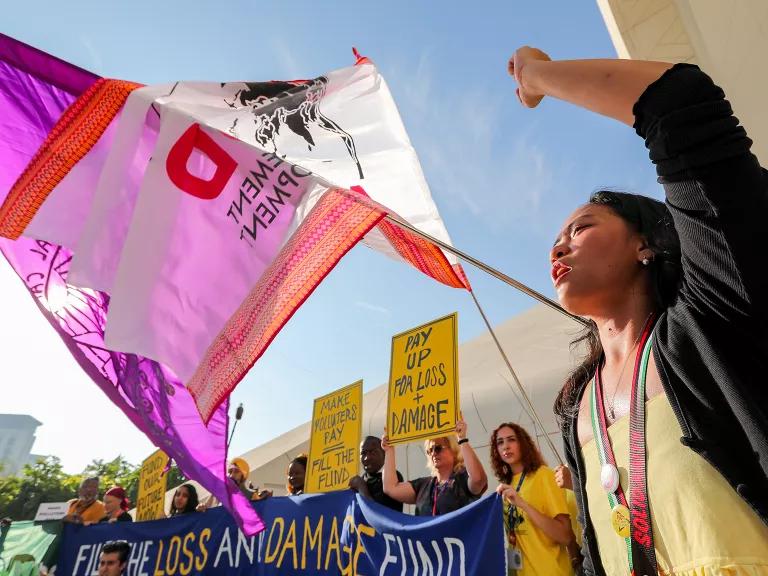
(711, 345)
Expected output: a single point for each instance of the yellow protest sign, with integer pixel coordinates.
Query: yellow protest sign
(334, 443)
(150, 503)
(423, 397)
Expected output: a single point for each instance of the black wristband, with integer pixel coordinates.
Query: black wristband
(463, 441)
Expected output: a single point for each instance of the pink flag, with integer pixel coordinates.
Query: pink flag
(209, 212)
(35, 90)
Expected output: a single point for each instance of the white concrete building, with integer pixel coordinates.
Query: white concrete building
(728, 40)
(17, 435)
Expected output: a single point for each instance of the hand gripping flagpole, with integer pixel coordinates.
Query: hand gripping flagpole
(530, 410)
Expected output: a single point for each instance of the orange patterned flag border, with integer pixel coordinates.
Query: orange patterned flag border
(336, 223)
(71, 138)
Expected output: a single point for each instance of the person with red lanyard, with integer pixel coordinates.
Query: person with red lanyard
(536, 516)
(665, 421)
(457, 477)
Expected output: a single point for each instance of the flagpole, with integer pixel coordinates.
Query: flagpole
(485, 268)
(531, 411)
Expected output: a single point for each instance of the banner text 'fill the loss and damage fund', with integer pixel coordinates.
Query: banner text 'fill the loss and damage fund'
(336, 533)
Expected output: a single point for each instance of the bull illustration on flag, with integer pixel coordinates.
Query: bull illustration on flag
(294, 104)
(169, 232)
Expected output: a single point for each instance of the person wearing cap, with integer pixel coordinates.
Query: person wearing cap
(86, 507)
(116, 506)
(237, 471)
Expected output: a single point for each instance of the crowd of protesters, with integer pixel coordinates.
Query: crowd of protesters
(456, 478)
(537, 517)
(87, 509)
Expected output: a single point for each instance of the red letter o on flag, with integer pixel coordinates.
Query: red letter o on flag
(176, 164)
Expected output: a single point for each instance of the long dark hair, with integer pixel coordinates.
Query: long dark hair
(529, 453)
(192, 500)
(651, 219)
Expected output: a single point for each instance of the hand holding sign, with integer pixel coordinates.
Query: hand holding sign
(461, 427)
(385, 445)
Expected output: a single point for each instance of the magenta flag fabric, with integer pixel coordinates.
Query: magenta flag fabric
(35, 90)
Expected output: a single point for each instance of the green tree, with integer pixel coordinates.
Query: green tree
(9, 490)
(175, 477)
(43, 481)
(46, 481)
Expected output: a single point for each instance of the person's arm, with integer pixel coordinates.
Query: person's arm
(557, 528)
(360, 486)
(717, 194)
(608, 87)
(716, 190)
(400, 491)
(72, 515)
(210, 502)
(477, 480)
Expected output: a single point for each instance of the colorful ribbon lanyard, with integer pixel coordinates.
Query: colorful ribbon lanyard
(512, 522)
(632, 521)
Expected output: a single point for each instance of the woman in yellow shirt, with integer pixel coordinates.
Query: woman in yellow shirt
(536, 517)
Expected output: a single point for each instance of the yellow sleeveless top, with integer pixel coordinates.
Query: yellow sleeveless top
(701, 527)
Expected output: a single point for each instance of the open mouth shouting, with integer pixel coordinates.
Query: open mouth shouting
(559, 271)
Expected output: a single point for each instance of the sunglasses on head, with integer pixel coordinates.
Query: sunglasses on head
(435, 449)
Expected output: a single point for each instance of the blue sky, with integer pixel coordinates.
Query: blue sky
(503, 177)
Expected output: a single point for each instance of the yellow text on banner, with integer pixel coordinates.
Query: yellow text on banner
(333, 446)
(150, 504)
(423, 396)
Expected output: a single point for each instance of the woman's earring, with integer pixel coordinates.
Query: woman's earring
(646, 261)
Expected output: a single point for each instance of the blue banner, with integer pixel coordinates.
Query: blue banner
(336, 533)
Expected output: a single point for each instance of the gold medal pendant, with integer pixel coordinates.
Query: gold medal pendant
(620, 520)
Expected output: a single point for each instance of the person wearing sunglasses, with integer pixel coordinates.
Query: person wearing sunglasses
(457, 477)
